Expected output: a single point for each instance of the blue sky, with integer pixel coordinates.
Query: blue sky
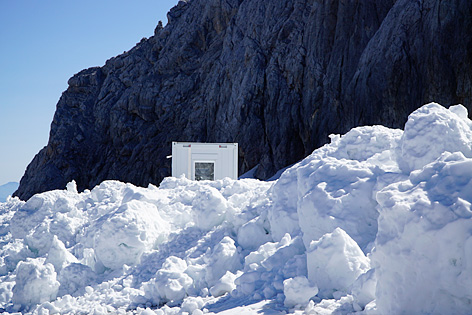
(42, 44)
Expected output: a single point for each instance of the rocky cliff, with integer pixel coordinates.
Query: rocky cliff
(275, 76)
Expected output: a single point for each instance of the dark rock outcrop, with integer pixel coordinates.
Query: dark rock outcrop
(275, 76)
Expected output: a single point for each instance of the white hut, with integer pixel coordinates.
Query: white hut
(205, 161)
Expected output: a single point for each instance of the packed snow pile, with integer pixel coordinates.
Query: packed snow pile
(379, 221)
(424, 246)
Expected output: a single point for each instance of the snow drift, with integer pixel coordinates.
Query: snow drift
(377, 222)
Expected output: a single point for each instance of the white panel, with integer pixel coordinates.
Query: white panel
(181, 154)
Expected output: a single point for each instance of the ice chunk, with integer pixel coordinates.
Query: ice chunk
(59, 256)
(363, 288)
(74, 278)
(123, 235)
(191, 305)
(210, 207)
(6, 293)
(35, 283)
(171, 282)
(224, 285)
(45, 215)
(72, 187)
(252, 235)
(298, 291)
(266, 269)
(334, 262)
(223, 258)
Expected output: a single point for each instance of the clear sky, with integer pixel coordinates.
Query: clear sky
(45, 42)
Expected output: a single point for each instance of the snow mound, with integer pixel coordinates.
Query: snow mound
(423, 253)
(378, 221)
(432, 130)
(333, 187)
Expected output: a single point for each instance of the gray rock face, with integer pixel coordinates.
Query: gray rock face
(275, 76)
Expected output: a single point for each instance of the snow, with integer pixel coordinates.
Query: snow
(35, 282)
(420, 143)
(298, 291)
(425, 228)
(376, 222)
(333, 187)
(334, 262)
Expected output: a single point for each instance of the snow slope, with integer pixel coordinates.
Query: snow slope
(376, 222)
